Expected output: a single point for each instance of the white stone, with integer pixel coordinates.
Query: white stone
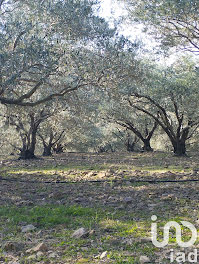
(81, 232)
(103, 255)
(53, 255)
(27, 228)
(40, 254)
(144, 259)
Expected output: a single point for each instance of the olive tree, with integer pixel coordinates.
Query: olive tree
(172, 93)
(174, 22)
(120, 113)
(52, 131)
(40, 42)
(26, 124)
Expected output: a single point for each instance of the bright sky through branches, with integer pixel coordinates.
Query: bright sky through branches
(112, 10)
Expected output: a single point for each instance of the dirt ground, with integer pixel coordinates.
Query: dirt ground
(115, 210)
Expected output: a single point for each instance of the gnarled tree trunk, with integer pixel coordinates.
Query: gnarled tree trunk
(178, 131)
(29, 143)
(179, 147)
(29, 136)
(144, 137)
(27, 154)
(47, 151)
(50, 144)
(147, 145)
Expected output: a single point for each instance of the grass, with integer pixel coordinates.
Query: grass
(76, 171)
(46, 216)
(112, 230)
(57, 169)
(65, 219)
(117, 231)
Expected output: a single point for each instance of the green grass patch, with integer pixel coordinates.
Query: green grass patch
(112, 228)
(58, 170)
(162, 169)
(47, 216)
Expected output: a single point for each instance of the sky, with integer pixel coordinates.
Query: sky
(111, 9)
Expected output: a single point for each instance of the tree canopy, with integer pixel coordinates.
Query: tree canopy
(174, 22)
(40, 43)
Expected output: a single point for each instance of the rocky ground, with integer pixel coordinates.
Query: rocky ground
(97, 213)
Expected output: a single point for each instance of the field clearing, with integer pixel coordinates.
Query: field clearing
(115, 212)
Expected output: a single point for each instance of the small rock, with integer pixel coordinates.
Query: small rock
(22, 223)
(111, 170)
(91, 173)
(152, 205)
(27, 228)
(121, 207)
(129, 254)
(103, 255)
(102, 174)
(40, 247)
(32, 257)
(28, 251)
(145, 239)
(144, 259)
(40, 254)
(11, 258)
(91, 232)
(13, 246)
(127, 200)
(56, 195)
(84, 248)
(40, 233)
(128, 241)
(53, 255)
(77, 200)
(80, 233)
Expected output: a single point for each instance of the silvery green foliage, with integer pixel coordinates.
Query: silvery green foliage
(173, 22)
(41, 42)
(171, 92)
